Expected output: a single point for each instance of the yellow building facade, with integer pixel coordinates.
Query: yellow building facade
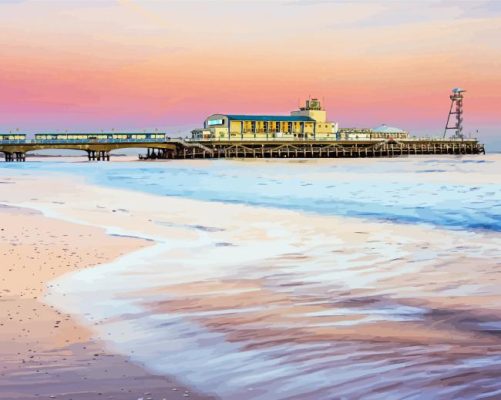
(308, 123)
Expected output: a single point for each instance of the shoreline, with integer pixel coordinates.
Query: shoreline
(44, 352)
(238, 274)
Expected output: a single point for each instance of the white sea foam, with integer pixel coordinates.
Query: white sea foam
(294, 305)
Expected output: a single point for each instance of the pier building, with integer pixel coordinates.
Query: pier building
(308, 123)
(381, 132)
(99, 136)
(12, 136)
(305, 133)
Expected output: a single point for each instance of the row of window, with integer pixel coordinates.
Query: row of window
(69, 136)
(12, 137)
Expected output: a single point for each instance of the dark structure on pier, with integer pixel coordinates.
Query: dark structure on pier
(457, 111)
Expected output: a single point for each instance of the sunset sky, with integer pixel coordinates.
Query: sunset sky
(134, 65)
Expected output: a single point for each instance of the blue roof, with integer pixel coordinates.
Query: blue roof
(287, 118)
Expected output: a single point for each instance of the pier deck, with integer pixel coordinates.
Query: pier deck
(320, 149)
(271, 148)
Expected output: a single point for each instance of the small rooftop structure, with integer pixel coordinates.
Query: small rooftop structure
(387, 129)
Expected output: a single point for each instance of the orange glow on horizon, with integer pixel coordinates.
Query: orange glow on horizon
(156, 64)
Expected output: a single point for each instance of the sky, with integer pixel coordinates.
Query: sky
(167, 65)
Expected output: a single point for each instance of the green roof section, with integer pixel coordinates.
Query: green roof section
(284, 118)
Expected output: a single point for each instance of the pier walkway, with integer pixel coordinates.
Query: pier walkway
(99, 150)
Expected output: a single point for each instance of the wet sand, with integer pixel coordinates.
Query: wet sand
(44, 353)
(319, 305)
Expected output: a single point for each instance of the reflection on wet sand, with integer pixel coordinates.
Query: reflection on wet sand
(390, 321)
(249, 302)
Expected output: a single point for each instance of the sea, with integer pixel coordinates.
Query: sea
(386, 283)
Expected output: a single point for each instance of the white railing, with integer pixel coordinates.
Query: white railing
(252, 139)
(239, 139)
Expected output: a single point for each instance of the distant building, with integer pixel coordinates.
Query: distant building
(380, 132)
(309, 122)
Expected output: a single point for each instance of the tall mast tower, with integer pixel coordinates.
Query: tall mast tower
(456, 109)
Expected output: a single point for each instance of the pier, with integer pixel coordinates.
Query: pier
(165, 148)
(328, 149)
(96, 150)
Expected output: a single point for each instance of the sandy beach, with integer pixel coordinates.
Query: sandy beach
(240, 301)
(44, 353)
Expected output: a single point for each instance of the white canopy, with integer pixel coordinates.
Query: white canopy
(387, 129)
